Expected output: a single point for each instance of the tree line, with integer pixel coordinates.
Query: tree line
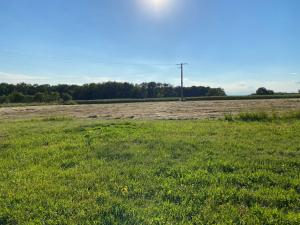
(26, 93)
(265, 91)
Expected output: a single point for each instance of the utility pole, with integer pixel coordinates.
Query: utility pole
(181, 69)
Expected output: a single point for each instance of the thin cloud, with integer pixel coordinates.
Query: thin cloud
(93, 79)
(15, 78)
(248, 86)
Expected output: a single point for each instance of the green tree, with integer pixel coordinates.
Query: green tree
(107, 90)
(264, 91)
(216, 92)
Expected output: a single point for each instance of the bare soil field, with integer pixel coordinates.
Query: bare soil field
(152, 110)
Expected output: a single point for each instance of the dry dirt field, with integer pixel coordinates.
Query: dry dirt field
(154, 110)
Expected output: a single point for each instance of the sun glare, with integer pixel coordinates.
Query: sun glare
(157, 7)
(157, 4)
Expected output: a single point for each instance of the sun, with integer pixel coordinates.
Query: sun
(156, 6)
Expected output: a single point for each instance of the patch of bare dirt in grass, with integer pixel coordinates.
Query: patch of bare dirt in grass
(152, 110)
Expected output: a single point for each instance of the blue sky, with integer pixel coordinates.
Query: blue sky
(239, 45)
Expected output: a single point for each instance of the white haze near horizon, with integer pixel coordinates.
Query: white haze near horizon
(245, 87)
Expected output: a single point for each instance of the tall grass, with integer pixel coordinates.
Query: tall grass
(262, 116)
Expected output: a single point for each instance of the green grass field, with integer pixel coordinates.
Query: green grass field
(65, 171)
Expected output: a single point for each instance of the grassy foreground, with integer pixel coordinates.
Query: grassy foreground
(62, 171)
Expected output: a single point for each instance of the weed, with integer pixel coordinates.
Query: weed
(228, 117)
(249, 116)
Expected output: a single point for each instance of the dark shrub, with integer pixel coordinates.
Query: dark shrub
(66, 97)
(16, 97)
(40, 97)
(3, 99)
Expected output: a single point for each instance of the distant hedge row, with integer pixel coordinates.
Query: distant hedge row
(26, 93)
(39, 97)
